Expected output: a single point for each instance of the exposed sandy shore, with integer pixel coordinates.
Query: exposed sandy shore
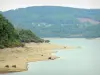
(20, 56)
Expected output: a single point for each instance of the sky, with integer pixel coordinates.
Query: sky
(14, 4)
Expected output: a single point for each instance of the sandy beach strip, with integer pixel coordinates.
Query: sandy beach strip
(16, 59)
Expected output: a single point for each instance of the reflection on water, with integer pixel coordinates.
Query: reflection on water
(84, 61)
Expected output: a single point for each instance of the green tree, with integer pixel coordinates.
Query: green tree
(8, 35)
(28, 36)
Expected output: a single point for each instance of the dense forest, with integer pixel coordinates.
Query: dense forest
(55, 21)
(11, 37)
(8, 35)
(28, 36)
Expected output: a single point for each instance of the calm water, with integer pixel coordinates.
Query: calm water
(84, 61)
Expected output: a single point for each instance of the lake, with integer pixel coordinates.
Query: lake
(80, 61)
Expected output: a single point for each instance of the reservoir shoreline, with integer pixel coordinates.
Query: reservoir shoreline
(17, 59)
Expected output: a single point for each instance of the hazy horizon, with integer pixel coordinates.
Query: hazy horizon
(6, 5)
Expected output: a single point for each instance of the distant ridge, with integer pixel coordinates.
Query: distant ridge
(57, 21)
(53, 6)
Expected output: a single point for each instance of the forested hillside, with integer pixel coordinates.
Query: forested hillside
(55, 21)
(11, 37)
(28, 36)
(8, 35)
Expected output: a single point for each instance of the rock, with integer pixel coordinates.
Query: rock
(14, 66)
(52, 57)
(7, 66)
(49, 57)
(41, 55)
(64, 46)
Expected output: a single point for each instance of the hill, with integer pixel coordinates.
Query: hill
(8, 35)
(55, 21)
(11, 37)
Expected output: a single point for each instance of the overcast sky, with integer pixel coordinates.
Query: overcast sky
(13, 4)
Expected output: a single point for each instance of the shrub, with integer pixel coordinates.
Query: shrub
(47, 41)
(1, 47)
